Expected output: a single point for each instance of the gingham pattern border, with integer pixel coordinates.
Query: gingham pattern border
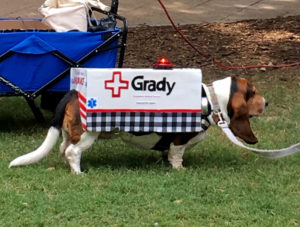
(143, 122)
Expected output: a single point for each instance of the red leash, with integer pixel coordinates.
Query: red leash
(209, 58)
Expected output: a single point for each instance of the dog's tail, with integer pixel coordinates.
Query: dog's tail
(41, 152)
(52, 135)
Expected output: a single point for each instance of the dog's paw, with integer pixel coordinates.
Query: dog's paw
(177, 166)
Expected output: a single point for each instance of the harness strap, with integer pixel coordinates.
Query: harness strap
(214, 99)
(216, 109)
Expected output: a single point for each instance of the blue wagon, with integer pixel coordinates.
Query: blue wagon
(37, 62)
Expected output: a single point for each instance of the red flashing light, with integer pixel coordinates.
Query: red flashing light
(163, 63)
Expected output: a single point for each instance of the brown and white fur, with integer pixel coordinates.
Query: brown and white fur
(237, 98)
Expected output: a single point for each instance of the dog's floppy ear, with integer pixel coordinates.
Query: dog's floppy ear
(239, 123)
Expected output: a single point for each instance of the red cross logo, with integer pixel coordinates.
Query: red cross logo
(116, 84)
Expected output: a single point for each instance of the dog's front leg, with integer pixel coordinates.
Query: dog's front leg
(175, 155)
(74, 151)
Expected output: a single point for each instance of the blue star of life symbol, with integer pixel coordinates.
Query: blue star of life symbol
(92, 103)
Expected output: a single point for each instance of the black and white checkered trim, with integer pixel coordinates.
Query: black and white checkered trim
(144, 122)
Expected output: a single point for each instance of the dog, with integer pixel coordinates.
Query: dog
(237, 100)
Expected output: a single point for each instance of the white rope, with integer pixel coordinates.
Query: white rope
(266, 153)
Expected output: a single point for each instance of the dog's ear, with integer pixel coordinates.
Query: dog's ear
(239, 123)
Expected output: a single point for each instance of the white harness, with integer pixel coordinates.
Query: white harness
(222, 123)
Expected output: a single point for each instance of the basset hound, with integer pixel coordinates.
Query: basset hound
(237, 100)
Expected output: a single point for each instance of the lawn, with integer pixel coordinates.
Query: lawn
(221, 185)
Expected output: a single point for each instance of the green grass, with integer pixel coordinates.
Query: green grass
(222, 185)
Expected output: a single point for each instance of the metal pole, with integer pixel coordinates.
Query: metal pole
(114, 6)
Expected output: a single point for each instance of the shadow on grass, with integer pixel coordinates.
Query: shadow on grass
(145, 159)
(116, 154)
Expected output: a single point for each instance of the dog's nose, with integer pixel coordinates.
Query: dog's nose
(266, 102)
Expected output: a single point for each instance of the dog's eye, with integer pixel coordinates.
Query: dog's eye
(254, 90)
(251, 91)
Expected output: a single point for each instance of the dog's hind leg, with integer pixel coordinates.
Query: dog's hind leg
(65, 143)
(74, 151)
